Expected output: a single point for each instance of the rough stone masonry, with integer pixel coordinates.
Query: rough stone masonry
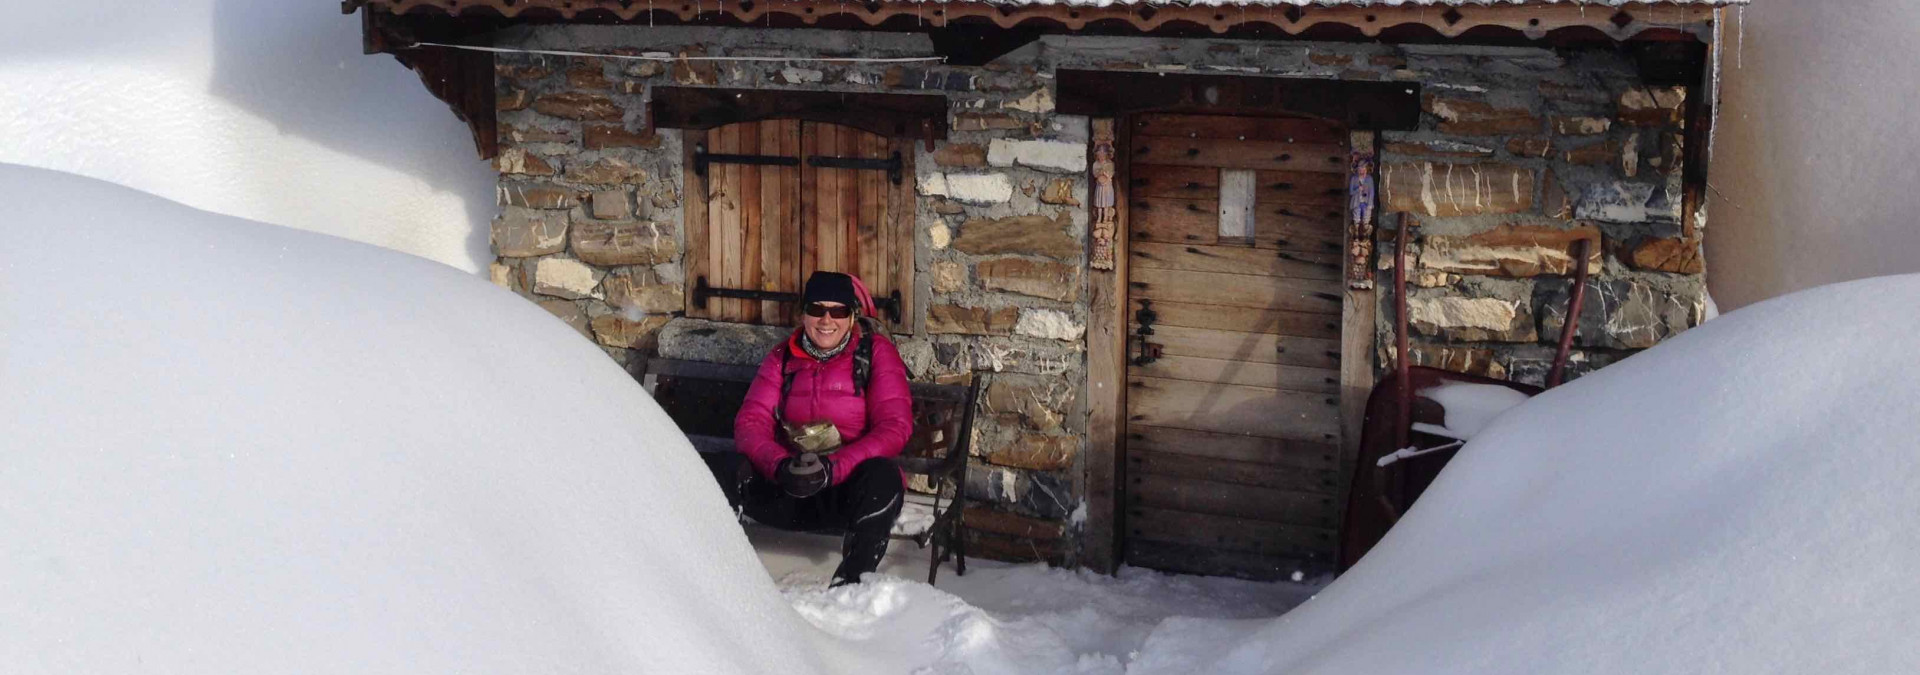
(1520, 151)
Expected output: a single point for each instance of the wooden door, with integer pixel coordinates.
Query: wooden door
(1234, 287)
(765, 225)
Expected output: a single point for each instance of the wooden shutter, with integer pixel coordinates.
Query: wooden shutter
(768, 227)
(858, 221)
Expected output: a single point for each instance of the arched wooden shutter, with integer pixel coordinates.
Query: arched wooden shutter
(766, 226)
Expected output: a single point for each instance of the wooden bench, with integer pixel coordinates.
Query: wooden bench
(702, 398)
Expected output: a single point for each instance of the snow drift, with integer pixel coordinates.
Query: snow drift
(232, 447)
(1739, 499)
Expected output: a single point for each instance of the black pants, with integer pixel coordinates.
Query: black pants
(862, 508)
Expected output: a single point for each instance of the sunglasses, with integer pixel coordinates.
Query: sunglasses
(815, 309)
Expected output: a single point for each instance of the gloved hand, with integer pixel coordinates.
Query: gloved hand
(804, 475)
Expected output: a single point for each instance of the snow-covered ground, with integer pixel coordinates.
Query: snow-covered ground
(232, 447)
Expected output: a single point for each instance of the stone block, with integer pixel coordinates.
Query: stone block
(939, 236)
(1619, 313)
(617, 330)
(588, 76)
(614, 243)
(1653, 106)
(949, 277)
(1049, 324)
(519, 161)
(985, 122)
(1458, 360)
(800, 76)
(1678, 256)
(1054, 156)
(1329, 59)
(1050, 280)
(1441, 149)
(611, 204)
(512, 134)
(524, 233)
(962, 155)
(1060, 192)
(603, 136)
(521, 72)
(607, 171)
(501, 275)
(576, 105)
(1512, 250)
(536, 196)
(1437, 189)
(565, 278)
(971, 320)
(511, 99)
(1039, 402)
(1450, 316)
(569, 311)
(947, 208)
(1553, 200)
(1002, 522)
(639, 294)
(1595, 154)
(1531, 147)
(1571, 125)
(715, 342)
(1626, 203)
(1003, 355)
(971, 188)
(646, 69)
(697, 73)
(1040, 101)
(1020, 235)
(1459, 117)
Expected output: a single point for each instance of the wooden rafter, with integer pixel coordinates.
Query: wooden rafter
(1534, 21)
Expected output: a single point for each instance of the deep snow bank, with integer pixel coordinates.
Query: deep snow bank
(232, 447)
(1740, 499)
(262, 109)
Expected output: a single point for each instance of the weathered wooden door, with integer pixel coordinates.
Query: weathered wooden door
(1233, 404)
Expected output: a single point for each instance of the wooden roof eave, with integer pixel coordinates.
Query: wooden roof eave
(1620, 23)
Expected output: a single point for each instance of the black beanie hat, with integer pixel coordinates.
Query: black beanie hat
(830, 287)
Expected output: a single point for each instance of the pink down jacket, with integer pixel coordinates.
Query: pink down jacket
(877, 424)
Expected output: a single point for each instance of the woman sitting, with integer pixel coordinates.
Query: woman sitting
(821, 424)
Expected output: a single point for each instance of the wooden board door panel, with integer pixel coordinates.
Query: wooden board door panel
(1233, 431)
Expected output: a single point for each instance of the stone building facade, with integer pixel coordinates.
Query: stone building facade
(1518, 152)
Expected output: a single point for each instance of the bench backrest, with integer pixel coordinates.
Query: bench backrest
(703, 398)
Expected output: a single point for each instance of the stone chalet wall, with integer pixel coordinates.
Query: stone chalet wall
(1520, 150)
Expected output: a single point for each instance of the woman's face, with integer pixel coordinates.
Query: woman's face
(825, 331)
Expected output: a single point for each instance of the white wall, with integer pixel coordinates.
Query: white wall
(263, 109)
(1817, 166)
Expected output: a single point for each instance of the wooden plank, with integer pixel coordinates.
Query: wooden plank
(1233, 409)
(1106, 390)
(1227, 533)
(1248, 347)
(1236, 260)
(1359, 314)
(723, 214)
(872, 258)
(1301, 454)
(809, 203)
(1237, 501)
(826, 242)
(1189, 559)
(1270, 187)
(1196, 221)
(849, 224)
(1317, 481)
(1268, 375)
(1235, 154)
(751, 216)
(1236, 206)
(1323, 325)
(695, 213)
(1236, 290)
(1282, 129)
(901, 211)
